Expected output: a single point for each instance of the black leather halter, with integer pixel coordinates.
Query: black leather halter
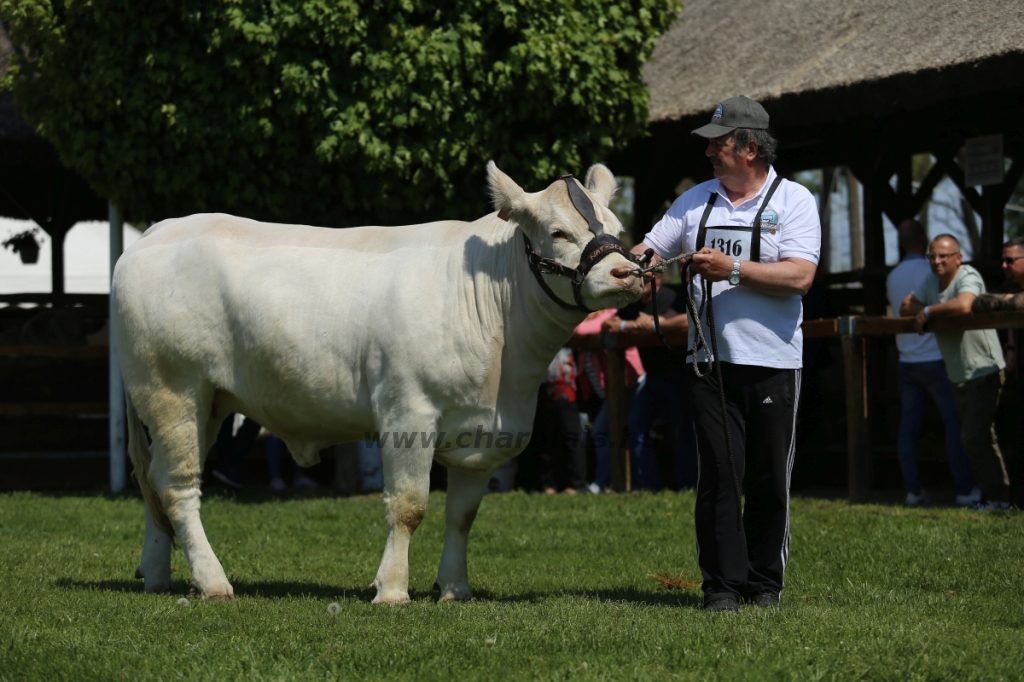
(597, 248)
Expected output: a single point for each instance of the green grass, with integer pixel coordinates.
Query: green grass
(562, 586)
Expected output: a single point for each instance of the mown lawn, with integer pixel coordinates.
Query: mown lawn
(563, 590)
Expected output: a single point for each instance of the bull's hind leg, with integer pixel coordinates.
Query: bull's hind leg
(406, 487)
(179, 437)
(155, 565)
(465, 490)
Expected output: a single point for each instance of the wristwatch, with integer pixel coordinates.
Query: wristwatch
(734, 277)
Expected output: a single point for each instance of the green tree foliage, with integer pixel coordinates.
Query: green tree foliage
(332, 112)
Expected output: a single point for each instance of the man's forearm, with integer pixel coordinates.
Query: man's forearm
(989, 302)
(960, 305)
(910, 306)
(785, 278)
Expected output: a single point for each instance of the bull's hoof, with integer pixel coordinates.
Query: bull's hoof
(219, 593)
(392, 598)
(456, 593)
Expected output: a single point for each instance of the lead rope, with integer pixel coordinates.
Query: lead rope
(699, 343)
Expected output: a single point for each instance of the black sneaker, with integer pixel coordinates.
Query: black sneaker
(722, 605)
(765, 599)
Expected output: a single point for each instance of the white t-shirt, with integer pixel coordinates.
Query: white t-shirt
(903, 279)
(753, 328)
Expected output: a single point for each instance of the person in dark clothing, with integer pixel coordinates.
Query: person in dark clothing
(564, 449)
(1010, 296)
(662, 391)
(756, 237)
(234, 440)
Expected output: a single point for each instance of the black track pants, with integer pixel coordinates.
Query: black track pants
(761, 403)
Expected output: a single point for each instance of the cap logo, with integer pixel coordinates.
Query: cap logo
(717, 115)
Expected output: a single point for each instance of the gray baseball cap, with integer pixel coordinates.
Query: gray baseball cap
(733, 113)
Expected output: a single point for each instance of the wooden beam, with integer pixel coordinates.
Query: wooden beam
(887, 326)
(92, 352)
(924, 192)
(1012, 177)
(957, 176)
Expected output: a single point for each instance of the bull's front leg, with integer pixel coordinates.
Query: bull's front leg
(465, 490)
(406, 488)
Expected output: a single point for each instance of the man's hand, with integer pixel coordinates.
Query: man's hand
(612, 324)
(920, 321)
(644, 323)
(639, 250)
(712, 264)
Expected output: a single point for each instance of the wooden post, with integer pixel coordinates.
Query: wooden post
(992, 220)
(615, 391)
(57, 234)
(856, 232)
(118, 417)
(828, 182)
(858, 455)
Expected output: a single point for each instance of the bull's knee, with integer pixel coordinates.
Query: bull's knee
(406, 512)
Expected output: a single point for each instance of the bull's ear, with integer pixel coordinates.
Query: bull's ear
(509, 198)
(601, 183)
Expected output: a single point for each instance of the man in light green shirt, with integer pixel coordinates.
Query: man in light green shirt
(974, 360)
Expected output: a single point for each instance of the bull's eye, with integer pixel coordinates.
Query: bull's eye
(558, 234)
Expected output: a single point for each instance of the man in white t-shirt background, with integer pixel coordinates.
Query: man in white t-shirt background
(921, 371)
(974, 362)
(757, 238)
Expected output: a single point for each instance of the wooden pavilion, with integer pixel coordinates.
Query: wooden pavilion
(863, 85)
(34, 185)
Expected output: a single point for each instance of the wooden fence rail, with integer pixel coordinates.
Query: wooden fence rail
(852, 330)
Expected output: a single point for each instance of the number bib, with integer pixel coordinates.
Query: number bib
(741, 242)
(733, 241)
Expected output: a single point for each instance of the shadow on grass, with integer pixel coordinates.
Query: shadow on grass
(285, 589)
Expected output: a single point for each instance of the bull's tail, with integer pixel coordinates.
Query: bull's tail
(141, 456)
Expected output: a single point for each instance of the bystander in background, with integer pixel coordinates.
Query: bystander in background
(663, 391)
(1010, 296)
(592, 384)
(921, 371)
(563, 452)
(974, 362)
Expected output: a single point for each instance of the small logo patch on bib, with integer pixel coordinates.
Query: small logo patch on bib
(769, 222)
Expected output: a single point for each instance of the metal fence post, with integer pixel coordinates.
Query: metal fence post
(117, 406)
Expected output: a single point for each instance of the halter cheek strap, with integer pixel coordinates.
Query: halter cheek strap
(596, 249)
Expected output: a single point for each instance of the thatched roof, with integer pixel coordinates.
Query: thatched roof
(768, 49)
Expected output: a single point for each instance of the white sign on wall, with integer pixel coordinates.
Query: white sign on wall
(983, 160)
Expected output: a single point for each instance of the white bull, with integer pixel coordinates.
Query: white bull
(323, 335)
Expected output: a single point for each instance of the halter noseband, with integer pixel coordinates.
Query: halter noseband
(597, 248)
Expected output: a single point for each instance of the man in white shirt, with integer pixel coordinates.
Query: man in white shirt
(757, 239)
(974, 362)
(921, 370)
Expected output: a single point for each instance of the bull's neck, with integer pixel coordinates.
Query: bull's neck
(533, 327)
(546, 326)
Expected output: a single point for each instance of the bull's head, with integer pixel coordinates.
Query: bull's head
(555, 221)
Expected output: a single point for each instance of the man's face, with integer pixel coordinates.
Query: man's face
(944, 257)
(722, 153)
(1013, 264)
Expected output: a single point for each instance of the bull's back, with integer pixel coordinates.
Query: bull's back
(311, 311)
